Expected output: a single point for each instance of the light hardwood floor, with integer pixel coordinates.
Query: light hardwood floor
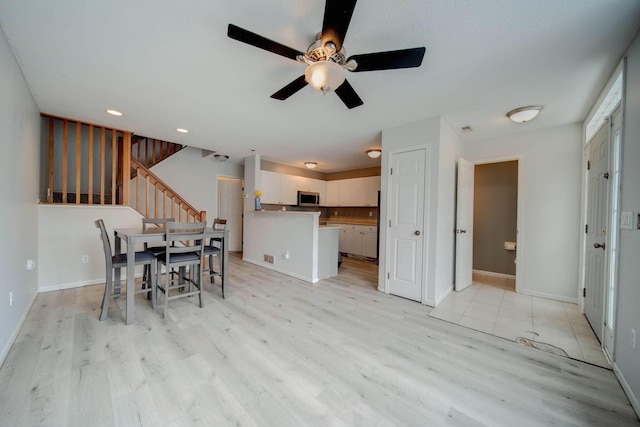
(279, 352)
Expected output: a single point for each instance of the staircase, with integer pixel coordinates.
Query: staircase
(89, 164)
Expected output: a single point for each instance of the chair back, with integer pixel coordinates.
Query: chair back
(219, 224)
(108, 256)
(155, 222)
(184, 237)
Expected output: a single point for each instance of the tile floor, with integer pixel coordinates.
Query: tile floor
(491, 305)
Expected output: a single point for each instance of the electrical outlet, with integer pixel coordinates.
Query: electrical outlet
(85, 259)
(11, 299)
(633, 338)
(335, 213)
(285, 255)
(370, 213)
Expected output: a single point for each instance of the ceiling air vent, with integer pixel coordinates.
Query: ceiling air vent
(466, 129)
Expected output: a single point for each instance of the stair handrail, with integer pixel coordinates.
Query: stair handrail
(160, 185)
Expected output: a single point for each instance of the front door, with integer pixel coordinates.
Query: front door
(464, 225)
(406, 216)
(597, 223)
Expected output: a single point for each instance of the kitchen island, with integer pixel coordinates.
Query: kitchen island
(291, 243)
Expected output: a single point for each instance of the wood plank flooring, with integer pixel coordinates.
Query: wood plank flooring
(280, 352)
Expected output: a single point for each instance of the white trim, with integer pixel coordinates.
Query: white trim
(442, 297)
(493, 274)
(16, 331)
(280, 270)
(72, 285)
(627, 389)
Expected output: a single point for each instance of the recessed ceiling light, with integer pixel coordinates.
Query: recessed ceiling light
(115, 113)
(524, 114)
(181, 130)
(310, 165)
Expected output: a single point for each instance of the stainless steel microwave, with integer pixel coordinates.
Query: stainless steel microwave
(308, 198)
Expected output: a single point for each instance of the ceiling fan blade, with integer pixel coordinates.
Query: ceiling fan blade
(258, 41)
(337, 16)
(393, 59)
(348, 95)
(290, 89)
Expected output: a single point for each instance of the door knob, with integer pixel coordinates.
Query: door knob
(598, 245)
(417, 233)
(463, 231)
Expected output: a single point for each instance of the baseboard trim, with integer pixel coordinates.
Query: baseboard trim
(493, 274)
(80, 284)
(627, 389)
(279, 270)
(16, 331)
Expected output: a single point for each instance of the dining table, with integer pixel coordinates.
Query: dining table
(136, 235)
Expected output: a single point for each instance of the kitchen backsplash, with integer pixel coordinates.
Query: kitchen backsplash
(358, 213)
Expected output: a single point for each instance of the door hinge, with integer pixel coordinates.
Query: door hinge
(584, 292)
(389, 223)
(588, 164)
(586, 229)
(606, 175)
(388, 275)
(391, 171)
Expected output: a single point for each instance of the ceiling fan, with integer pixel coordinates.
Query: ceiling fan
(325, 58)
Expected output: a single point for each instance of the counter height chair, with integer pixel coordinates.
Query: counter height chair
(115, 263)
(150, 223)
(212, 250)
(184, 248)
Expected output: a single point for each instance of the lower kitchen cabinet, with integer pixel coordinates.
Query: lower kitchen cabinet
(358, 240)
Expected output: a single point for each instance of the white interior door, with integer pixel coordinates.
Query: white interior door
(597, 223)
(406, 216)
(464, 225)
(612, 250)
(230, 208)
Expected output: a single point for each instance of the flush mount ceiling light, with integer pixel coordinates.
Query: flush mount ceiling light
(374, 153)
(524, 114)
(115, 113)
(181, 130)
(221, 157)
(310, 165)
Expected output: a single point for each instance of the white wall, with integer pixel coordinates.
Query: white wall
(195, 178)
(425, 133)
(19, 183)
(627, 360)
(67, 233)
(277, 233)
(549, 237)
(449, 152)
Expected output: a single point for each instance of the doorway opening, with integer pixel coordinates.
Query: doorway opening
(495, 223)
(230, 207)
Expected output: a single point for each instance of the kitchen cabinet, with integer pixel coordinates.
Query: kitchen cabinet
(358, 240)
(353, 192)
(279, 189)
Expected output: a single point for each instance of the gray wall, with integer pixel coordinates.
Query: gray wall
(19, 174)
(628, 313)
(495, 208)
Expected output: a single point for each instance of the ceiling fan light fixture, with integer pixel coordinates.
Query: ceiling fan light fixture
(524, 114)
(374, 153)
(325, 76)
(310, 165)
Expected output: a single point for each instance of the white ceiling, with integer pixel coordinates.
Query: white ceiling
(169, 64)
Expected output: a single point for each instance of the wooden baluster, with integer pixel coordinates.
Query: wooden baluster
(102, 162)
(138, 178)
(126, 169)
(78, 160)
(51, 158)
(65, 159)
(114, 164)
(90, 168)
(146, 210)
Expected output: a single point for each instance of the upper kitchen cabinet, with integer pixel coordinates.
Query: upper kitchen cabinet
(353, 192)
(279, 189)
